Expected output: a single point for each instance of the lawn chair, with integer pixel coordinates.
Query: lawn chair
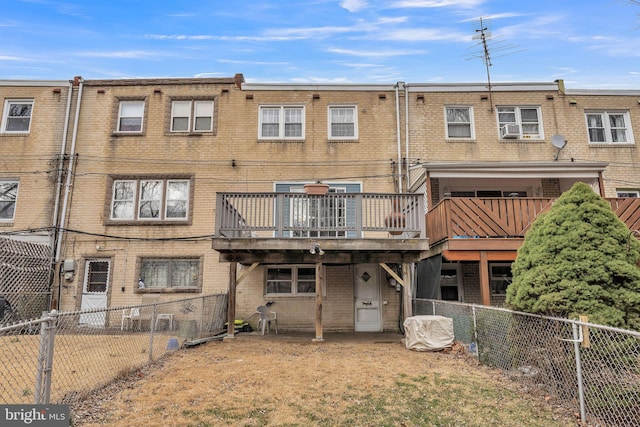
(266, 317)
(129, 317)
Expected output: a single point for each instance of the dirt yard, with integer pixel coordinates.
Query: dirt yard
(286, 381)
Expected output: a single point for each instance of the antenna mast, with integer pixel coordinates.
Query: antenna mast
(486, 57)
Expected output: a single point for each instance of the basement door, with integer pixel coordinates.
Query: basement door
(367, 298)
(95, 289)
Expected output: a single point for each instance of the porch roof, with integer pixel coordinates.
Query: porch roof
(550, 169)
(334, 251)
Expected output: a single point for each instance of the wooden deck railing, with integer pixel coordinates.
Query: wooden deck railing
(460, 217)
(334, 215)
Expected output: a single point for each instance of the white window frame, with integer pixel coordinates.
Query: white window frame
(354, 122)
(470, 123)
(6, 118)
(150, 283)
(132, 103)
(608, 129)
(8, 201)
(294, 280)
(518, 119)
(197, 109)
(137, 201)
(282, 122)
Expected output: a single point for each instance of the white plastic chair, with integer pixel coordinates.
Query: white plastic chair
(266, 317)
(129, 316)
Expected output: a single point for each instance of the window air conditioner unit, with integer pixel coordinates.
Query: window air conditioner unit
(510, 131)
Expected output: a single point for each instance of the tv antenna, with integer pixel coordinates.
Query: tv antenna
(483, 34)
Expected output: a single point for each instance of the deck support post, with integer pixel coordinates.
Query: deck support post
(407, 297)
(485, 291)
(319, 282)
(231, 302)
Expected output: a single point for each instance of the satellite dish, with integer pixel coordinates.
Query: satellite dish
(558, 141)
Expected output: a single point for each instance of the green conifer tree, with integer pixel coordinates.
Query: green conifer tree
(579, 258)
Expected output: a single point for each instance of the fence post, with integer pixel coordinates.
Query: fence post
(433, 307)
(152, 329)
(577, 340)
(45, 357)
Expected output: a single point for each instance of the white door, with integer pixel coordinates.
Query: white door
(367, 298)
(94, 291)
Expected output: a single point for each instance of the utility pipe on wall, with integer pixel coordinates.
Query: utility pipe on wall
(67, 188)
(398, 137)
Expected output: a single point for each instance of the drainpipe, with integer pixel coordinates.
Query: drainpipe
(67, 189)
(56, 204)
(398, 135)
(63, 149)
(406, 130)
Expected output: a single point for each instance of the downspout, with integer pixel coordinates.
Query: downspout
(72, 151)
(56, 206)
(63, 149)
(406, 131)
(398, 136)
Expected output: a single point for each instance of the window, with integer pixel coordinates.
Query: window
(500, 277)
(130, 114)
(606, 127)
(170, 273)
(150, 199)
(280, 122)
(459, 122)
(450, 289)
(191, 116)
(343, 122)
(627, 193)
(8, 198)
(290, 280)
(520, 123)
(17, 116)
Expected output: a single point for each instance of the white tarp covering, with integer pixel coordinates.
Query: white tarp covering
(428, 333)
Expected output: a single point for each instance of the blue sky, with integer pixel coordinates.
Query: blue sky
(588, 43)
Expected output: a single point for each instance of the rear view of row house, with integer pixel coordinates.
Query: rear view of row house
(491, 162)
(34, 118)
(337, 203)
(162, 168)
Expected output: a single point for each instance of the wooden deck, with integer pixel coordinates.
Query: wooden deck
(503, 218)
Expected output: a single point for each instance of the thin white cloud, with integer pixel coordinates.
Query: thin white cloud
(125, 54)
(375, 53)
(11, 58)
(354, 5)
(495, 16)
(436, 3)
(424, 34)
(219, 38)
(237, 61)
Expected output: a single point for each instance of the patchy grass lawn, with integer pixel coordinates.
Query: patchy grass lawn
(253, 381)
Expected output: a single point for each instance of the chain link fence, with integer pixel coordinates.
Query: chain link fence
(588, 368)
(62, 357)
(25, 271)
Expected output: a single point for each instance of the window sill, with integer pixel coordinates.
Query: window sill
(281, 141)
(18, 134)
(461, 140)
(125, 134)
(611, 144)
(342, 141)
(522, 140)
(4, 223)
(190, 134)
